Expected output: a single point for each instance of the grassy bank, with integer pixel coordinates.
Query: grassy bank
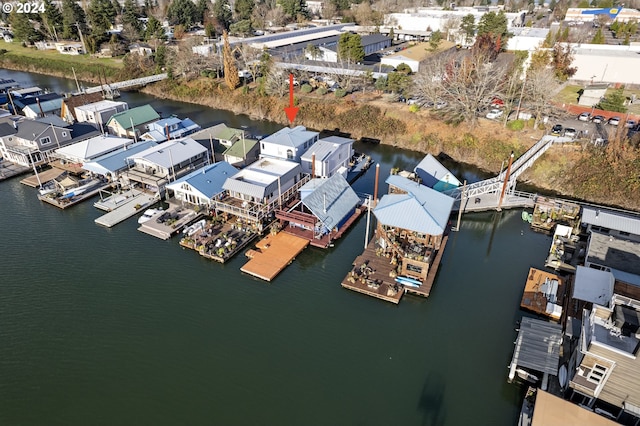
(50, 62)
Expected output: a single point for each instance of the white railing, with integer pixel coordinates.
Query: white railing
(128, 83)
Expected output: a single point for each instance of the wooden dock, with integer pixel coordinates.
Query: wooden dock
(44, 176)
(374, 275)
(128, 207)
(273, 254)
(64, 203)
(220, 241)
(9, 169)
(536, 296)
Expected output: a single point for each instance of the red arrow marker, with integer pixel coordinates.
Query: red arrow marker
(291, 111)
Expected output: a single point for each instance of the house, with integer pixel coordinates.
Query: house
(43, 108)
(21, 103)
(593, 94)
(26, 91)
(201, 186)
(434, 175)
(34, 142)
(69, 104)
(288, 143)
(141, 49)
(326, 205)
(242, 152)
(70, 48)
(170, 128)
(99, 112)
(412, 219)
(219, 134)
(156, 166)
(90, 149)
(111, 165)
(258, 189)
(138, 119)
(328, 156)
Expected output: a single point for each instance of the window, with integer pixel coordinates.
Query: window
(289, 154)
(45, 140)
(263, 146)
(597, 373)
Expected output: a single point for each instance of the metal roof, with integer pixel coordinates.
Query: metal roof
(431, 172)
(219, 131)
(138, 115)
(171, 153)
(240, 148)
(31, 100)
(116, 160)
(618, 254)
(592, 285)
(46, 106)
(208, 180)
(437, 204)
(332, 200)
(7, 129)
(290, 137)
(406, 212)
(261, 178)
(323, 148)
(102, 105)
(624, 222)
(154, 135)
(95, 147)
(538, 345)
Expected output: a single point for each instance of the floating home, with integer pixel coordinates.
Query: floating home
(133, 122)
(544, 294)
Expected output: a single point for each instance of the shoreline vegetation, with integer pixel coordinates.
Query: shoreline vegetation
(580, 171)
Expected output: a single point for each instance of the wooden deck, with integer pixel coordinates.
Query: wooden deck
(273, 254)
(220, 241)
(44, 176)
(372, 275)
(326, 240)
(63, 203)
(182, 216)
(534, 298)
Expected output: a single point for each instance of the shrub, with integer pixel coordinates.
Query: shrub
(414, 108)
(321, 91)
(341, 93)
(306, 88)
(515, 125)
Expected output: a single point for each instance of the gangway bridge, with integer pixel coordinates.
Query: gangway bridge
(111, 87)
(486, 194)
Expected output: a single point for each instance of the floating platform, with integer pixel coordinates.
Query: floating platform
(274, 253)
(543, 294)
(181, 217)
(64, 203)
(220, 241)
(9, 169)
(374, 276)
(44, 176)
(128, 207)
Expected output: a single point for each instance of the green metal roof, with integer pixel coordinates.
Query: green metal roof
(236, 149)
(139, 115)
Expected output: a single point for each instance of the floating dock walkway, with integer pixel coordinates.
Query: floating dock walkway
(274, 253)
(124, 206)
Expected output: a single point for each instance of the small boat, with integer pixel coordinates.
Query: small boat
(148, 214)
(409, 282)
(525, 375)
(192, 229)
(527, 217)
(562, 376)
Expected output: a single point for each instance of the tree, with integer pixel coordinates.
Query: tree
(435, 39)
(182, 12)
(613, 101)
(231, 76)
(243, 9)
(583, 4)
(222, 13)
(494, 25)
(51, 20)
(130, 14)
(540, 85)
(313, 52)
(561, 59)
(391, 34)
(403, 68)
(72, 17)
(468, 28)
(350, 47)
(243, 28)
(598, 38)
(23, 28)
(101, 14)
(202, 9)
(398, 82)
(293, 8)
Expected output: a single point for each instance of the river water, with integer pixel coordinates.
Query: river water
(114, 327)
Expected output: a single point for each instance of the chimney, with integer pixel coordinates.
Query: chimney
(40, 107)
(313, 165)
(166, 130)
(375, 185)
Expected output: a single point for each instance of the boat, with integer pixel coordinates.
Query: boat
(148, 215)
(409, 282)
(525, 375)
(562, 376)
(47, 188)
(527, 217)
(192, 229)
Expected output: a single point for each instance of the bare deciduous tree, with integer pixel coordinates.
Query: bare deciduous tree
(539, 88)
(276, 82)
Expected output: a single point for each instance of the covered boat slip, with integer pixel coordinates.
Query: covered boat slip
(274, 253)
(537, 347)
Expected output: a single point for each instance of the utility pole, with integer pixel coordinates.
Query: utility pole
(506, 181)
(461, 207)
(84, 46)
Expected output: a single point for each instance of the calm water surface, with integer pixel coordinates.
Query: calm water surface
(114, 327)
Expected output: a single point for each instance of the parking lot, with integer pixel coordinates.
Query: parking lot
(595, 131)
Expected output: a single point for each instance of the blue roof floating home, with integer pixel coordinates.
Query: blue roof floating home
(201, 186)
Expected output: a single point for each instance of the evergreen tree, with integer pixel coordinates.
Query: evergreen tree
(130, 14)
(493, 27)
(154, 29)
(293, 8)
(222, 13)
(391, 34)
(202, 9)
(231, 76)
(23, 28)
(51, 20)
(468, 27)
(244, 9)
(101, 14)
(350, 47)
(598, 38)
(435, 39)
(613, 101)
(182, 12)
(243, 28)
(72, 17)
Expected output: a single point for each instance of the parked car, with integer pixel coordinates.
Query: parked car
(630, 124)
(556, 130)
(494, 114)
(598, 119)
(585, 116)
(570, 132)
(614, 121)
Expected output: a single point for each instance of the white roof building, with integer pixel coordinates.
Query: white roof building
(90, 149)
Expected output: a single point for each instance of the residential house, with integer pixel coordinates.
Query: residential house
(70, 48)
(326, 205)
(141, 49)
(258, 189)
(21, 103)
(133, 122)
(26, 91)
(34, 142)
(331, 155)
(220, 134)
(156, 166)
(170, 128)
(201, 186)
(242, 152)
(90, 149)
(288, 143)
(412, 219)
(43, 108)
(99, 112)
(434, 175)
(69, 104)
(110, 166)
